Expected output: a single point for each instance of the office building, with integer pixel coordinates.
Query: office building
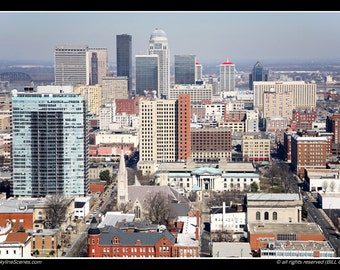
(308, 152)
(185, 69)
(147, 75)
(258, 74)
(97, 65)
(198, 92)
(124, 57)
(163, 131)
(198, 73)
(227, 78)
(92, 95)
(302, 95)
(114, 88)
(70, 65)
(79, 65)
(49, 144)
(332, 125)
(158, 44)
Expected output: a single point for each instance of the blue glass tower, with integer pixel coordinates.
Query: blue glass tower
(258, 74)
(147, 75)
(49, 144)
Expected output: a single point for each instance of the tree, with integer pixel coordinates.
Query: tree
(157, 208)
(124, 207)
(105, 176)
(332, 186)
(56, 209)
(254, 187)
(324, 186)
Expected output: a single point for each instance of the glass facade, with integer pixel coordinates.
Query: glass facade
(49, 145)
(124, 57)
(185, 69)
(258, 74)
(147, 74)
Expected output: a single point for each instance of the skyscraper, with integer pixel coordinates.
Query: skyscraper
(258, 74)
(185, 69)
(98, 61)
(158, 44)
(79, 65)
(70, 65)
(147, 75)
(124, 57)
(49, 144)
(199, 73)
(164, 131)
(94, 69)
(227, 77)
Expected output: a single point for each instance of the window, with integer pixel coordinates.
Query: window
(275, 216)
(266, 216)
(258, 216)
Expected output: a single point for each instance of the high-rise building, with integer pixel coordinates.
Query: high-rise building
(302, 94)
(92, 95)
(308, 152)
(147, 75)
(98, 66)
(70, 65)
(184, 117)
(198, 73)
(114, 88)
(49, 144)
(258, 74)
(227, 77)
(158, 44)
(333, 125)
(124, 57)
(163, 131)
(185, 69)
(79, 65)
(94, 69)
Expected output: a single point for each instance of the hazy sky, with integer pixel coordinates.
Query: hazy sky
(211, 36)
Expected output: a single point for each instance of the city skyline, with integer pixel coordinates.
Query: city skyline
(213, 36)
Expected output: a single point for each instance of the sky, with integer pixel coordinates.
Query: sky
(213, 36)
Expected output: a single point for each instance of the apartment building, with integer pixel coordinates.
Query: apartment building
(255, 148)
(92, 96)
(211, 144)
(162, 125)
(308, 152)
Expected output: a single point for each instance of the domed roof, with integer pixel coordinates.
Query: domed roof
(158, 35)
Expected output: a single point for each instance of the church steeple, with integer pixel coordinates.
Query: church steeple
(122, 182)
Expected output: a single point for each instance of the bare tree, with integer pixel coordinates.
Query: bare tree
(332, 186)
(157, 208)
(56, 209)
(324, 186)
(124, 207)
(286, 175)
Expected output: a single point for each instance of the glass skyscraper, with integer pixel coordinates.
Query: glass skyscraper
(124, 57)
(147, 75)
(49, 144)
(185, 69)
(258, 74)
